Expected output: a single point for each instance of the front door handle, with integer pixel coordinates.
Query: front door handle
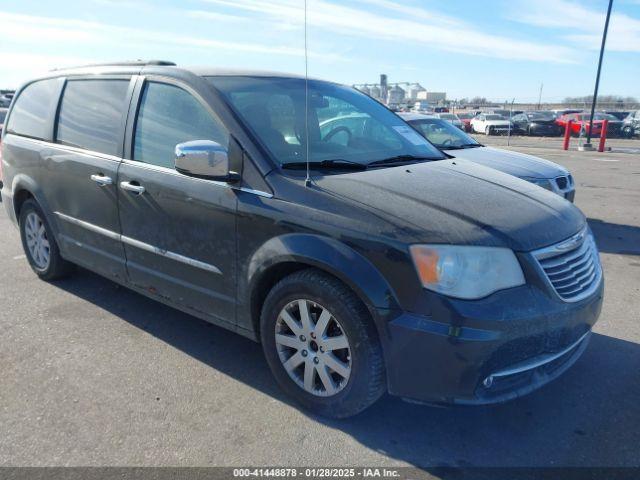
(101, 180)
(130, 187)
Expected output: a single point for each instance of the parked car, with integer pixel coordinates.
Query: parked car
(5, 100)
(3, 115)
(580, 124)
(631, 125)
(372, 266)
(542, 123)
(465, 118)
(452, 141)
(422, 107)
(620, 115)
(490, 124)
(501, 111)
(566, 111)
(441, 109)
(452, 119)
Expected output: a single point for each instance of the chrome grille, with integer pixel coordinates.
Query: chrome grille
(572, 267)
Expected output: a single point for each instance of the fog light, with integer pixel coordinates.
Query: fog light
(487, 382)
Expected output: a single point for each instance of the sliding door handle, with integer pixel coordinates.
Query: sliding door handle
(131, 187)
(101, 180)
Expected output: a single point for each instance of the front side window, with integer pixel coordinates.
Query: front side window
(91, 115)
(32, 110)
(170, 115)
(343, 124)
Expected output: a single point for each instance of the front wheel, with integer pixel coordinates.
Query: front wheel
(488, 131)
(321, 345)
(39, 244)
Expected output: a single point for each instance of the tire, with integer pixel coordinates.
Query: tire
(44, 258)
(488, 130)
(349, 318)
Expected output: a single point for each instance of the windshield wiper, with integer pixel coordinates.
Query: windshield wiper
(459, 147)
(400, 159)
(333, 164)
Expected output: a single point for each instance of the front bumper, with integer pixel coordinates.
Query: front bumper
(519, 338)
(501, 130)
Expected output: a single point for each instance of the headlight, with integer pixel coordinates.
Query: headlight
(541, 182)
(466, 272)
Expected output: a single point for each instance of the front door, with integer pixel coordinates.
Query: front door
(179, 232)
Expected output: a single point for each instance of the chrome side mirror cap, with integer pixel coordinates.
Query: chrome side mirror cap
(204, 159)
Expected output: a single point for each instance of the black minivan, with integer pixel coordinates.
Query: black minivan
(361, 257)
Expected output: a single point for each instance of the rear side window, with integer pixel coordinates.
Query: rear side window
(91, 115)
(31, 114)
(168, 116)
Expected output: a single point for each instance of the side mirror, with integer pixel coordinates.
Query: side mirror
(204, 159)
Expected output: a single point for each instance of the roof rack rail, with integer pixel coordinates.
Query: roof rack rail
(131, 63)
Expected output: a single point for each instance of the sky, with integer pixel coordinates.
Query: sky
(498, 49)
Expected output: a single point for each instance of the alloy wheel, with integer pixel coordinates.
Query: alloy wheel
(313, 348)
(37, 241)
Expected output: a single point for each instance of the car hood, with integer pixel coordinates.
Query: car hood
(517, 164)
(458, 202)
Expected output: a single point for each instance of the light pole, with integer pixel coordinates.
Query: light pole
(587, 146)
(540, 95)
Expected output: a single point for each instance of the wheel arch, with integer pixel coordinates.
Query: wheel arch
(284, 255)
(24, 187)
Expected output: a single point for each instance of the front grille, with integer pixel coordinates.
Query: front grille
(572, 267)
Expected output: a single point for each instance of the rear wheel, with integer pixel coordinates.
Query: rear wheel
(39, 244)
(321, 345)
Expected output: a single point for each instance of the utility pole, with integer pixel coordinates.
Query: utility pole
(588, 146)
(510, 115)
(540, 95)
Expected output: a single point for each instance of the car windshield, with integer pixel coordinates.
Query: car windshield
(345, 126)
(448, 116)
(541, 116)
(494, 117)
(442, 133)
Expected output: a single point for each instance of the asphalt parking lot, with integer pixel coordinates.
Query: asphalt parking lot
(94, 374)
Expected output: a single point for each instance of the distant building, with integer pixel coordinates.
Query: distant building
(432, 97)
(414, 90)
(392, 94)
(395, 95)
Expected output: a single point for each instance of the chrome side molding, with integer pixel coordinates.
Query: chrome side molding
(539, 361)
(138, 244)
(89, 226)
